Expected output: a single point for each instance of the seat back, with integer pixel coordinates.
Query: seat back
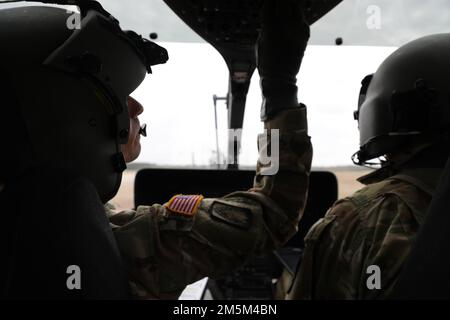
(53, 220)
(426, 273)
(254, 279)
(159, 185)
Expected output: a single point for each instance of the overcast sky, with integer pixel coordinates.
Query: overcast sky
(329, 79)
(179, 107)
(401, 21)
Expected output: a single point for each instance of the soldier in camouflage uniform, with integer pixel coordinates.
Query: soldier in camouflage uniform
(90, 73)
(170, 246)
(167, 250)
(403, 114)
(374, 227)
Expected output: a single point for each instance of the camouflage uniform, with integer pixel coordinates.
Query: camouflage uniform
(375, 226)
(167, 251)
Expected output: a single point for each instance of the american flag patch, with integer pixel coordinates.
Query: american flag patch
(183, 204)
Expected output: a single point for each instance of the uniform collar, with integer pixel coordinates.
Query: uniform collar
(424, 178)
(377, 175)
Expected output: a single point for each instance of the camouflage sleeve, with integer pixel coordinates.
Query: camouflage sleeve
(356, 251)
(167, 251)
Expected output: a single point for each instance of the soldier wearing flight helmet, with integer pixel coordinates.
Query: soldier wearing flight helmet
(404, 117)
(72, 92)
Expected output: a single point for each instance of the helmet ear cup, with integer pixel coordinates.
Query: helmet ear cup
(71, 128)
(365, 83)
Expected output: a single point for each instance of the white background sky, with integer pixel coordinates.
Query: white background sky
(401, 21)
(179, 106)
(178, 96)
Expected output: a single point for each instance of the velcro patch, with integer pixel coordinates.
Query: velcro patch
(184, 204)
(232, 215)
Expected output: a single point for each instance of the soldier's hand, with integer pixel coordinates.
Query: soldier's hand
(280, 48)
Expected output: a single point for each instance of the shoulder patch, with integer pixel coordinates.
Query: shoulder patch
(233, 215)
(186, 205)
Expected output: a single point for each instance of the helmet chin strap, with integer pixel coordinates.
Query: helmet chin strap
(394, 165)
